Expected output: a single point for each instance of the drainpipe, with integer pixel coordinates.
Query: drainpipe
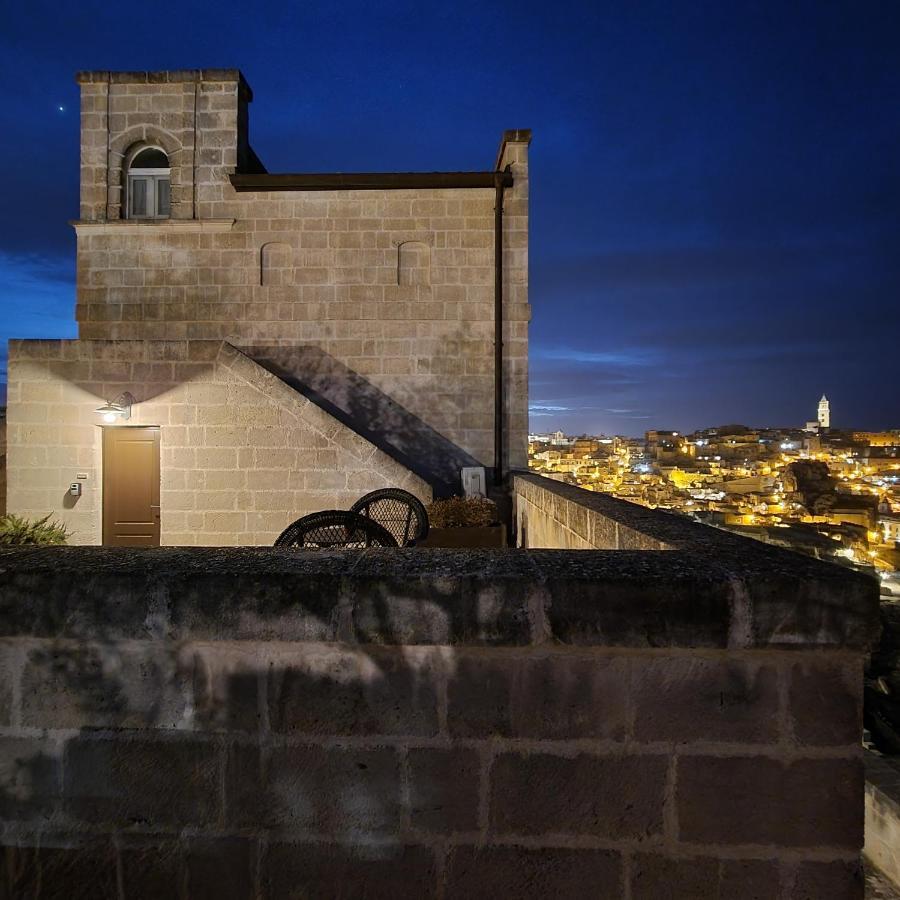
(499, 180)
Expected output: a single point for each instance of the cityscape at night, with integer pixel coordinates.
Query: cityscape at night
(830, 492)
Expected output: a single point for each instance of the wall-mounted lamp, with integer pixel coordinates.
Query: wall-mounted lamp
(120, 408)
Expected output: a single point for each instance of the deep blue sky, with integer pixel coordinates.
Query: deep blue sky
(715, 185)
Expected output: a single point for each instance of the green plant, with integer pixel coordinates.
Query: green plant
(462, 512)
(14, 531)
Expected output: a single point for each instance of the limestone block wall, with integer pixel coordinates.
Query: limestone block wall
(242, 454)
(882, 847)
(552, 514)
(195, 116)
(531, 724)
(321, 268)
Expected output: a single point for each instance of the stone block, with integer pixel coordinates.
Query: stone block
(324, 871)
(328, 689)
(9, 665)
(647, 599)
(124, 782)
(555, 697)
(749, 879)
(441, 597)
(526, 873)
(612, 797)
(30, 779)
(759, 800)
(826, 701)
(221, 868)
(226, 684)
(838, 880)
(688, 699)
(658, 877)
(59, 867)
(152, 866)
(444, 789)
(327, 790)
(66, 685)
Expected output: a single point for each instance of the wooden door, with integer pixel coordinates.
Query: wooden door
(131, 486)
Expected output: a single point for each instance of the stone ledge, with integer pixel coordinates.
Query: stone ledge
(433, 597)
(137, 226)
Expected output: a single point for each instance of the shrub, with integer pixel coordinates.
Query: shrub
(14, 531)
(462, 512)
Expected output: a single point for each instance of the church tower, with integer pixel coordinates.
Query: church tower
(824, 413)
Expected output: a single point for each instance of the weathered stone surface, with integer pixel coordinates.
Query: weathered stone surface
(882, 847)
(152, 866)
(754, 800)
(605, 796)
(655, 876)
(826, 701)
(221, 868)
(142, 782)
(634, 599)
(226, 682)
(328, 790)
(361, 872)
(749, 879)
(487, 873)
(554, 697)
(443, 597)
(605, 598)
(658, 877)
(687, 699)
(745, 593)
(345, 690)
(444, 789)
(839, 880)
(8, 666)
(66, 685)
(57, 867)
(30, 779)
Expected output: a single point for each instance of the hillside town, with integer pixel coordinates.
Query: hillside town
(828, 492)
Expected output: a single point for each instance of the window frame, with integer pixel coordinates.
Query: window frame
(153, 177)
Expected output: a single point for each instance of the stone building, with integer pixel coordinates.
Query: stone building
(267, 345)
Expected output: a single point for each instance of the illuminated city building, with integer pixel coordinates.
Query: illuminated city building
(824, 416)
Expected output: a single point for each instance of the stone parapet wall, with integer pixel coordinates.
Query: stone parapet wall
(882, 847)
(242, 454)
(239, 722)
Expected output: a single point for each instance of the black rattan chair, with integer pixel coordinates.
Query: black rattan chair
(335, 529)
(401, 513)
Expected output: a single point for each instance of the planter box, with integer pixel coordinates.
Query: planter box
(466, 538)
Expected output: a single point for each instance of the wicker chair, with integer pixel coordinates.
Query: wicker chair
(335, 529)
(401, 513)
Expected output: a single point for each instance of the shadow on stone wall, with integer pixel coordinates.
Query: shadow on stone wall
(257, 723)
(361, 406)
(231, 768)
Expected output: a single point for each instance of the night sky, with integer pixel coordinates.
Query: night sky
(715, 218)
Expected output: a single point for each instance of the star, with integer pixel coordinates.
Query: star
(61, 108)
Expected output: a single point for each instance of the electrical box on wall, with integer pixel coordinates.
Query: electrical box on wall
(75, 488)
(473, 481)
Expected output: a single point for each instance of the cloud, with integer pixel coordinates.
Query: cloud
(625, 358)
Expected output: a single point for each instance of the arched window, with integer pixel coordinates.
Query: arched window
(148, 185)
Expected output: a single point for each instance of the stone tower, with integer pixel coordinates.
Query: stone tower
(824, 413)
